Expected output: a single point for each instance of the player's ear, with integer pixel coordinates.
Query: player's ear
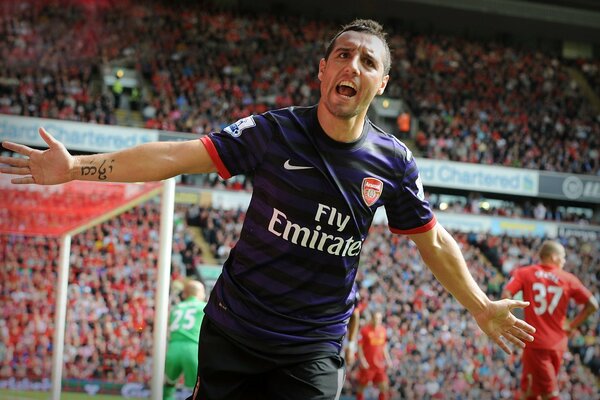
(322, 65)
(384, 82)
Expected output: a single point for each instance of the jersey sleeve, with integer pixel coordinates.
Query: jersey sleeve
(409, 212)
(240, 147)
(515, 283)
(579, 292)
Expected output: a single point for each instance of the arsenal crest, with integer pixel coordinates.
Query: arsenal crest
(371, 190)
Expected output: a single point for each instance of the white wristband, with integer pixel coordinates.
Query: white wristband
(352, 346)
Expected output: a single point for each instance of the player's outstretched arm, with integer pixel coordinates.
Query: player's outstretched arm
(147, 162)
(444, 258)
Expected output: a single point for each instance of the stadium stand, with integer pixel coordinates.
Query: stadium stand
(110, 298)
(478, 102)
(111, 292)
(448, 349)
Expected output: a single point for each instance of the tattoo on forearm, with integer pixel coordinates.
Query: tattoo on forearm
(100, 171)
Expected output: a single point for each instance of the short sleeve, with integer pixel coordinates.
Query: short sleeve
(409, 212)
(240, 147)
(579, 292)
(514, 284)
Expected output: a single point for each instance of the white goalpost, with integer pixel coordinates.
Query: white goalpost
(161, 301)
(162, 289)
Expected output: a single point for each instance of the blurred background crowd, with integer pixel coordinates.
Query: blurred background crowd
(199, 67)
(477, 101)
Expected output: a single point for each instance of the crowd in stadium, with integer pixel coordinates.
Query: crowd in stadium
(494, 104)
(428, 328)
(45, 73)
(433, 337)
(591, 71)
(482, 102)
(110, 298)
(220, 228)
(109, 334)
(478, 102)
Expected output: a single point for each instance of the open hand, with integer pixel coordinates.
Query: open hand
(500, 324)
(43, 167)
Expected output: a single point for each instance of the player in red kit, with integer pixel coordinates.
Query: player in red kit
(373, 357)
(549, 288)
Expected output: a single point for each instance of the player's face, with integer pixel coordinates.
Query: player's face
(377, 319)
(353, 74)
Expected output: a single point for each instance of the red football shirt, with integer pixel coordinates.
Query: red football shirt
(372, 340)
(549, 290)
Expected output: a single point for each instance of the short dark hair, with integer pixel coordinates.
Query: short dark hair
(368, 26)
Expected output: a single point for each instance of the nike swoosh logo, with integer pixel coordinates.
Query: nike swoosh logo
(291, 167)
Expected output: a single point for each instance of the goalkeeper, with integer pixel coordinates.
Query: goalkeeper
(184, 332)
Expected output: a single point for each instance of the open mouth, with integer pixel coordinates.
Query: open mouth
(346, 88)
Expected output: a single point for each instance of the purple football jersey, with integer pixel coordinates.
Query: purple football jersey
(289, 279)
